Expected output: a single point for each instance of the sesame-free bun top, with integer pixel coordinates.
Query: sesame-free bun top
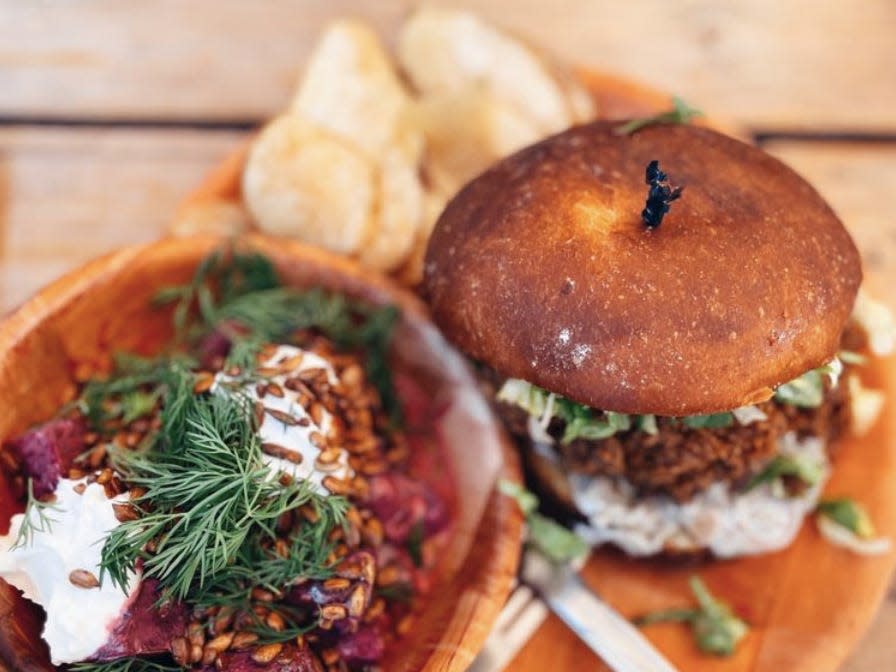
(543, 269)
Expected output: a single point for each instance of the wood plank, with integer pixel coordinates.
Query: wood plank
(877, 650)
(805, 64)
(69, 195)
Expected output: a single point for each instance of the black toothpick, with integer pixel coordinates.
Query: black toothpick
(659, 195)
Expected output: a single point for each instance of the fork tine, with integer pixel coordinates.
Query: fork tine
(519, 598)
(521, 616)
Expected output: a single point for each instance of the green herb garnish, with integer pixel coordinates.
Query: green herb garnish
(29, 527)
(807, 391)
(126, 665)
(554, 541)
(210, 503)
(796, 466)
(240, 295)
(845, 522)
(681, 113)
(415, 543)
(399, 591)
(135, 383)
(582, 422)
(711, 421)
(717, 630)
(849, 514)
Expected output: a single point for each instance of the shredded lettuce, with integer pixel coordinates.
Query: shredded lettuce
(799, 466)
(807, 391)
(583, 422)
(711, 421)
(845, 522)
(553, 540)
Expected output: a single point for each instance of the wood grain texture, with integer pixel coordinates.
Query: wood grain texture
(797, 65)
(67, 195)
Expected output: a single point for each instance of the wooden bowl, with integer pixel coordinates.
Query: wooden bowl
(808, 605)
(76, 323)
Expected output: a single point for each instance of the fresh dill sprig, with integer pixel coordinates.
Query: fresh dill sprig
(229, 272)
(260, 566)
(681, 113)
(240, 295)
(296, 620)
(126, 665)
(272, 314)
(131, 391)
(34, 508)
(209, 500)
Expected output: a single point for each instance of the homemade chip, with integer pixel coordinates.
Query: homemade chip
(399, 211)
(444, 50)
(433, 204)
(467, 130)
(303, 181)
(351, 87)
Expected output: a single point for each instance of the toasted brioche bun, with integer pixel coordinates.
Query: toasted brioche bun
(543, 268)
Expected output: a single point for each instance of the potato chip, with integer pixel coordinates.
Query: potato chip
(444, 50)
(397, 215)
(301, 180)
(351, 88)
(467, 130)
(411, 273)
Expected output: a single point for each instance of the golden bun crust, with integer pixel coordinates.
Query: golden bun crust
(543, 269)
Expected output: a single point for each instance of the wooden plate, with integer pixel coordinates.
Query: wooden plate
(80, 320)
(807, 605)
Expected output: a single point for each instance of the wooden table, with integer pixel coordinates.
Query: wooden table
(110, 111)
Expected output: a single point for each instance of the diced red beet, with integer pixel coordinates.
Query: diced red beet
(143, 627)
(364, 646)
(47, 451)
(290, 659)
(415, 402)
(213, 347)
(399, 502)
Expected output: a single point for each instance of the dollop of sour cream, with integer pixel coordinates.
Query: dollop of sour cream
(721, 519)
(295, 438)
(78, 619)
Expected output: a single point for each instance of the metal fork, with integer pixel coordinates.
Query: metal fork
(546, 586)
(523, 613)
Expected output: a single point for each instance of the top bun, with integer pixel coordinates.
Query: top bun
(543, 269)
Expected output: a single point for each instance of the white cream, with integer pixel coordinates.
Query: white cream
(295, 438)
(78, 619)
(724, 521)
